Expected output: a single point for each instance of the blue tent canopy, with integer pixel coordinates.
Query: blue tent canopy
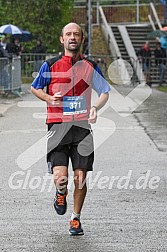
(163, 2)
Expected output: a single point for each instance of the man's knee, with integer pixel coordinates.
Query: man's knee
(60, 175)
(80, 178)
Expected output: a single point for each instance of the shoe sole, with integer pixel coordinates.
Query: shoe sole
(56, 209)
(60, 213)
(71, 234)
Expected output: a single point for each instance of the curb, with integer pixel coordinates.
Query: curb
(4, 108)
(7, 103)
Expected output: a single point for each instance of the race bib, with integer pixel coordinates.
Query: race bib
(74, 105)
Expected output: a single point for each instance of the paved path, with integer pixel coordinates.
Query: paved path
(118, 215)
(153, 117)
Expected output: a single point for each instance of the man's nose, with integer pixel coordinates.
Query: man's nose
(72, 36)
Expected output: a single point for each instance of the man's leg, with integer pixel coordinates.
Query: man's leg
(79, 197)
(148, 81)
(60, 177)
(80, 189)
(162, 73)
(61, 180)
(82, 157)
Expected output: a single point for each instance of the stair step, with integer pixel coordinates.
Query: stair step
(138, 36)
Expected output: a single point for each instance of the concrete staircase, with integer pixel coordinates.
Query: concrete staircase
(138, 35)
(120, 42)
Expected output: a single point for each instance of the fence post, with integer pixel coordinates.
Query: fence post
(137, 12)
(97, 13)
(89, 26)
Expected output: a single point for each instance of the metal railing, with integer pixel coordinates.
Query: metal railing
(118, 13)
(154, 16)
(108, 34)
(116, 70)
(10, 74)
(102, 2)
(31, 63)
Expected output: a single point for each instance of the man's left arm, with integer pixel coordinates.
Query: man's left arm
(101, 86)
(100, 102)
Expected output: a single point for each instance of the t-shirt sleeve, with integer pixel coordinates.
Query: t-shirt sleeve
(43, 78)
(100, 85)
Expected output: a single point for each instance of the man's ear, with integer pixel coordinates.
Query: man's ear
(83, 40)
(61, 40)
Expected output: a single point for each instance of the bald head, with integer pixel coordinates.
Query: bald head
(72, 39)
(70, 26)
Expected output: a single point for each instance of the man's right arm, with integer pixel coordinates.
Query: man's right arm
(42, 95)
(4, 52)
(40, 82)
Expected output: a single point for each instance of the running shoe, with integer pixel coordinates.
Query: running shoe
(60, 203)
(75, 227)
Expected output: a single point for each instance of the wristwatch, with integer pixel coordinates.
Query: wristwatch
(95, 108)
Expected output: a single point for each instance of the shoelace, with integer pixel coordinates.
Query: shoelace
(60, 199)
(75, 223)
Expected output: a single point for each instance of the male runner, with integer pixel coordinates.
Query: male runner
(69, 80)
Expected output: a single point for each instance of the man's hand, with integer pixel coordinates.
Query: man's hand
(98, 105)
(93, 115)
(55, 99)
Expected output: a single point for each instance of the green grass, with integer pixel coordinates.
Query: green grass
(163, 89)
(27, 80)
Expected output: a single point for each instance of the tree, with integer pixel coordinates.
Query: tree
(44, 18)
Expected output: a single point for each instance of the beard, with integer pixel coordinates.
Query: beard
(74, 47)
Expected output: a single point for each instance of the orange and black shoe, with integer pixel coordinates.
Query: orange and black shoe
(60, 203)
(75, 227)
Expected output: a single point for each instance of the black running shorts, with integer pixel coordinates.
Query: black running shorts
(73, 141)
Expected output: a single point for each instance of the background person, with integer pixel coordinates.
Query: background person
(3, 42)
(160, 61)
(38, 49)
(4, 63)
(144, 55)
(69, 79)
(15, 47)
(163, 41)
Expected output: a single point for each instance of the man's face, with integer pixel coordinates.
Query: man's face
(16, 42)
(72, 38)
(147, 45)
(3, 39)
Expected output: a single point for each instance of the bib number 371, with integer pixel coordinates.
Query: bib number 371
(74, 105)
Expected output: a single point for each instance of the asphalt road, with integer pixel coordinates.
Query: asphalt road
(126, 205)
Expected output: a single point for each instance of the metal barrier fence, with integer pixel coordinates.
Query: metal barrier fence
(124, 70)
(119, 70)
(31, 63)
(4, 74)
(10, 74)
(116, 69)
